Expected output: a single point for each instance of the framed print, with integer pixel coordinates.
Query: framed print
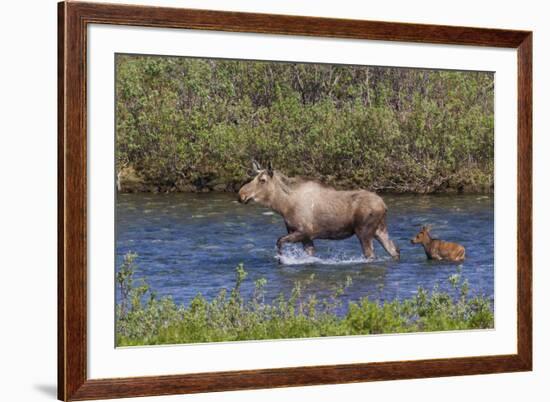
(252, 201)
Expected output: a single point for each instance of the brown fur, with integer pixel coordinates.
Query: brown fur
(439, 249)
(312, 210)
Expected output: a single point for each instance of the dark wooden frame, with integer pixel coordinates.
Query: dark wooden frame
(73, 19)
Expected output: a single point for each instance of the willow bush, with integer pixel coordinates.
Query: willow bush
(188, 124)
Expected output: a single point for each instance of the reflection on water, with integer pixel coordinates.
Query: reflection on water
(190, 243)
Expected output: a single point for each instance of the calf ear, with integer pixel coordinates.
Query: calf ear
(270, 169)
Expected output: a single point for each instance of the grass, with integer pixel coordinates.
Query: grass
(144, 319)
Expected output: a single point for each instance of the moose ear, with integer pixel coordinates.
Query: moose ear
(256, 167)
(270, 169)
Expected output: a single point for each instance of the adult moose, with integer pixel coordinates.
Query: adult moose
(312, 211)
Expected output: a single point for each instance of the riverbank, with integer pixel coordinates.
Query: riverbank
(473, 182)
(144, 319)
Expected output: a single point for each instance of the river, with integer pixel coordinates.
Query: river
(191, 243)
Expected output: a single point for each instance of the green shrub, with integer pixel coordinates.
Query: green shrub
(142, 319)
(186, 123)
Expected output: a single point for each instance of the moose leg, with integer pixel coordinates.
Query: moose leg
(383, 237)
(309, 248)
(293, 237)
(288, 228)
(308, 245)
(368, 250)
(365, 236)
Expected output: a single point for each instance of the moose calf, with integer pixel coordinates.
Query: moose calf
(439, 249)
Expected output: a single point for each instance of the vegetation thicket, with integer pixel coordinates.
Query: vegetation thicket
(144, 319)
(185, 124)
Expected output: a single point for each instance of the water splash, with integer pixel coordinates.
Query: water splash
(295, 255)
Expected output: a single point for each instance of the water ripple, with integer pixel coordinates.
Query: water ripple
(191, 243)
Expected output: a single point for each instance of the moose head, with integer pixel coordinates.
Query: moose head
(262, 186)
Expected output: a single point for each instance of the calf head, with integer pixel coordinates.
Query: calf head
(422, 236)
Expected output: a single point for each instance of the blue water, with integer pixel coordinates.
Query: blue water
(191, 243)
